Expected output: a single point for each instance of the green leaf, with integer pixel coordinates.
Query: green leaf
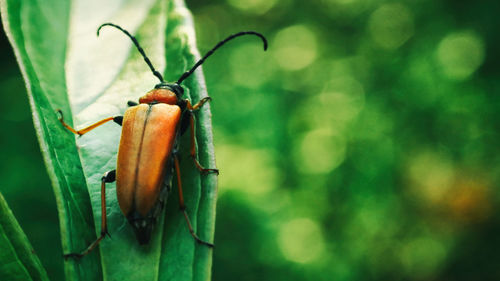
(66, 66)
(18, 260)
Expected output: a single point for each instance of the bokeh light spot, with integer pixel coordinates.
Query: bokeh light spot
(341, 99)
(244, 62)
(421, 256)
(257, 7)
(247, 170)
(460, 54)
(320, 152)
(343, 2)
(432, 175)
(295, 47)
(391, 25)
(470, 201)
(335, 107)
(301, 240)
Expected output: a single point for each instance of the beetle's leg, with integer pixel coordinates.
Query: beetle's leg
(117, 119)
(193, 153)
(183, 207)
(132, 103)
(197, 105)
(106, 178)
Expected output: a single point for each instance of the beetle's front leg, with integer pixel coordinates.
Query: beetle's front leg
(198, 104)
(117, 119)
(190, 109)
(108, 177)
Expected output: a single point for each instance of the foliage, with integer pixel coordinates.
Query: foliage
(17, 258)
(68, 71)
(363, 145)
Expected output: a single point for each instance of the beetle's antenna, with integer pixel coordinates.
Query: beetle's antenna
(189, 72)
(139, 48)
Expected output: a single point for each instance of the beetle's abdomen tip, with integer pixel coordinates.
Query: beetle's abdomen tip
(143, 227)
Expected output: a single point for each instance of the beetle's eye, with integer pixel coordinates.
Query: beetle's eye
(179, 89)
(131, 103)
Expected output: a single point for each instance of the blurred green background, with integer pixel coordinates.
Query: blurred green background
(361, 146)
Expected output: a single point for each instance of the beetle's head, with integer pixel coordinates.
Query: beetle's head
(169, 93)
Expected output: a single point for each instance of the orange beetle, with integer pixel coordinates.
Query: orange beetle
(147, 155)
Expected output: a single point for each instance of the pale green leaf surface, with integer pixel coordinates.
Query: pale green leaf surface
(38, 34)
(101, 75)
(18, 260)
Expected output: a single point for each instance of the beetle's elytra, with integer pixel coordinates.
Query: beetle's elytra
(148, 151)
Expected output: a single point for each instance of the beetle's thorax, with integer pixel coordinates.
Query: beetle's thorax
(159, 96)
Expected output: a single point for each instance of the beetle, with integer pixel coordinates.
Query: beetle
(148, 150)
